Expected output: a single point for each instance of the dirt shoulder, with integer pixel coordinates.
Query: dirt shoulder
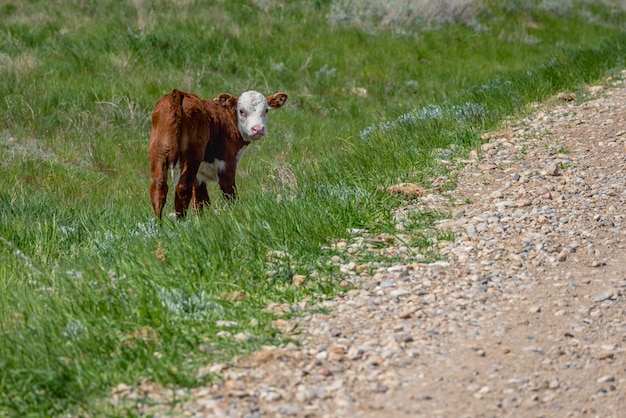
(526, 318)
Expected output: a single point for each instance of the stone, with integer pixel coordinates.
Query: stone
(399, 293)
(603, 296)
(552, 169)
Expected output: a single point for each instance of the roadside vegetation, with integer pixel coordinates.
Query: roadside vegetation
(94, 292)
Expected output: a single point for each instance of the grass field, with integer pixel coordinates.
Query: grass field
(94, 293)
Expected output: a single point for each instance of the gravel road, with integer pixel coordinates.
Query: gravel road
(524, 318)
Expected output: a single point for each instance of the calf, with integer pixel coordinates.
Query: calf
(203, 140)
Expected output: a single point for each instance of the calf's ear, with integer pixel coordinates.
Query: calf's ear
(277, 100)
(226, 100)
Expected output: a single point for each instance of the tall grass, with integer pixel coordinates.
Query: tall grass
(94, 293)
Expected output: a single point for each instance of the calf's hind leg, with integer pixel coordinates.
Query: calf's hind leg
(158, 187)
(185, 186)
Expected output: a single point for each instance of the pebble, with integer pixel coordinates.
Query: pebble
(552, 169)
(603, 296)
(400, 292)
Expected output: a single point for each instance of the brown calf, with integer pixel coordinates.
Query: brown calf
(203, 140)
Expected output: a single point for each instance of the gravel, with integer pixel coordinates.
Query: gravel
(524, 317)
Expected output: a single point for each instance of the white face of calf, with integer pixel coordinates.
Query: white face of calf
(252, 109)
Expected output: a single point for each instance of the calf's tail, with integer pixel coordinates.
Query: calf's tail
(175, 132)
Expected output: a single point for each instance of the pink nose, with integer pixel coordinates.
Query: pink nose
(258, 130)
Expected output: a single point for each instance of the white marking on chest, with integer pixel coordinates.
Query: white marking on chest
(175, 173)
(241, 152)
(208, 171)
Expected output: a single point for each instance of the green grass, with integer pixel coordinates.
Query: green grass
(93, 293)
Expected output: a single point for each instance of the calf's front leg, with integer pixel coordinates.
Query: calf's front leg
(227, 184)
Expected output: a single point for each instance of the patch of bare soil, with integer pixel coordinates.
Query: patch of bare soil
(526, 318)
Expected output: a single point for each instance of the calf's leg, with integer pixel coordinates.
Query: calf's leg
(200, 196)
(185, 186)
(158, 187)
(227, 184)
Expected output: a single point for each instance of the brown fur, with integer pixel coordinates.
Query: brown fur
(188, 130)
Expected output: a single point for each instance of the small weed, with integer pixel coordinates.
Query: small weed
(446, 235)
(565, 165)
